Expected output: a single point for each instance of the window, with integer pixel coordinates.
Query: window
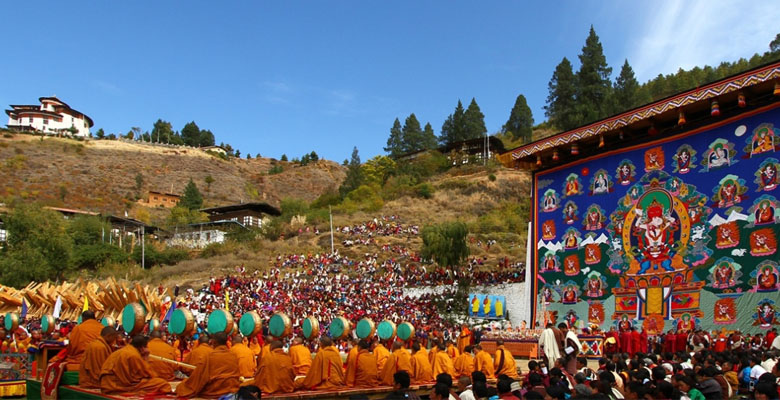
(3, 235)
(30, 119)
(208, 236)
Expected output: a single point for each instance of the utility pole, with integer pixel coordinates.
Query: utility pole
(143, 248)
(330, 211)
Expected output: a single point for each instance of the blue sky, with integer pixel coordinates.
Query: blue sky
(291, 77)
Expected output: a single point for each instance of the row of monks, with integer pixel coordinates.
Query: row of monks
(222, 364)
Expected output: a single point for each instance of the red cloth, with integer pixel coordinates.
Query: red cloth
(669, 343)
(625, 342)
(681, 341)
(643, 342)
(635, 343)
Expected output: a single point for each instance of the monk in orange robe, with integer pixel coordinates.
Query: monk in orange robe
(464, 364)
(442, 363)
(94, 356)
(126, 371)
(421, 367)
(353, 352)
(504, 361)
(465, 338)
(362, 372)
(326, 371)
(434, 349)
(452, 351)
(254, 345)
(382, 354)
(199, 354)
(160, 348)
(266, 349)
(81, 336)
(218, 375)
(483, 362)
(399, 360)
(246, 359)
(301, 357)
(275, 374)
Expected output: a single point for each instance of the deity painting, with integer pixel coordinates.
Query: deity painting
(654, 159)
(547, 294)
(727, 235)
(550, 262)
(764, 212)
(719, 154)
(763, 242)
(655, 229)
(684, 159)
(592, 254)
(572, 186)
(653, 324)
(571, 265)
(594, 219)
(596, 313)
(571, 318)
(571, 239)
(765, 315)
(625, 172)
(676, 186)
(570, 212)
(548, 230)
(686, 323)
(695, 213)
(766, 176)
(550, 201)
(633, 195)
(595, 285)
(570, 294)
(725, 311)
(731, 191)
(766, 277)
(600, 184)
(625, 323)
(763, 140)
(725, 273)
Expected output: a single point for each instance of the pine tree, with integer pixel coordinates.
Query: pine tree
(454, 126)
(395, 142)
(192, 199)
(474, 122)
(354, 176)
(561, 100)
(206, 138)
(521, 121)
(162, 132)
(428, 140)
(411, 134)
(626, 93)
(191, 134)
(593, 83)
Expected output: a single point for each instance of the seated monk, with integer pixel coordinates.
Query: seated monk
(216, 376)
(94, 356)
(434, 349)
(301, 357)
(353, 350)
(505, 362)
(160, 348)
(126, 371)
(362, 372)
(199, 353)
(442, 363)
(464, 364)
(381, 353)
(275, 374)
(81, 336)
(246, 358)
(483, 362)
(399, 360)
(326, 372)
(452, 351)
(421, 367)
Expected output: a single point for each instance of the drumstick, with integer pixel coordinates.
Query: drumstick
(178, 363)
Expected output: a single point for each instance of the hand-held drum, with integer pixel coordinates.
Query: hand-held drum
(250, 324)
(47, 324)
(311, 328)
(133, 317)
(365, 328)
(154, 325)
(386, 330)
(108, 321)
(11, 322)
(182, 322)
(279, 325)
(340, 328)
(405, 331)
(220, 321)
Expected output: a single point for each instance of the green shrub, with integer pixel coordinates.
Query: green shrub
(276, 169)
(492, 177)
(329, 198)
(93, 256)
(424, 190)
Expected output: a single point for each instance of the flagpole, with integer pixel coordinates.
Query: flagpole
(330, 211)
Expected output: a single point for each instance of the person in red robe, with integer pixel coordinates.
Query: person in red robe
(720, 342)
(611, 346)
(625, 341)
(635, 342)
(643, 342)
(770, 337)
(669, 346)
(681, 341)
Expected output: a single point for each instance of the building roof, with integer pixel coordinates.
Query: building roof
(164, 193)
(754, 82)
(53, 99)
(259, 207)
(201, 225)
(72, 211)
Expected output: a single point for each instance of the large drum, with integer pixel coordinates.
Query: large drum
(365, 328)
(220, 321)
(340, 328)
(386, 330)
(182, 323)
(405, 331)
(11, 322)
(279, 325)
(47, 324)
(108, 321)
(311, 328)
(133, 318)
(154, 325)
(250, 324)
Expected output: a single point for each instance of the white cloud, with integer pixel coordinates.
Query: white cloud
(685, 34)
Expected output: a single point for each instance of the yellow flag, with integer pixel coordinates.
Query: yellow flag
(86, 304)
(227, 300)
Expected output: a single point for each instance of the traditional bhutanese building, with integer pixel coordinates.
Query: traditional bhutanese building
(662, 217)
(53, 116)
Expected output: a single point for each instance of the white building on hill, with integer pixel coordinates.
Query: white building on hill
(52, 117)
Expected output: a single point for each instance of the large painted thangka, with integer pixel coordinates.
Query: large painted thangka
(677, 232)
